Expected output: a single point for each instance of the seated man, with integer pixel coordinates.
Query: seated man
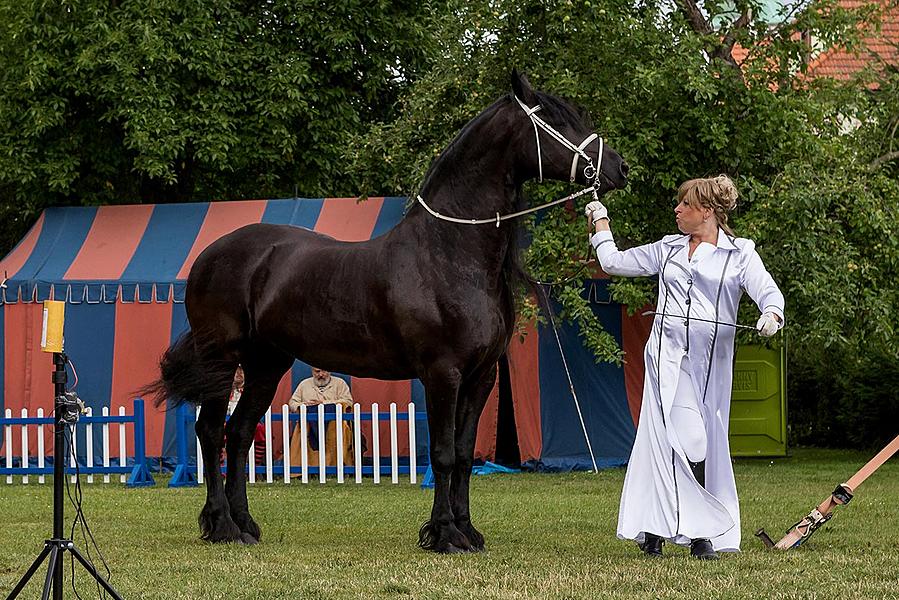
(321, 388)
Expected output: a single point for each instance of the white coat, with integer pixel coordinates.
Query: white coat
(661, 495)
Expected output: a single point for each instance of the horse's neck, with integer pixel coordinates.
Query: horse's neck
(483, 246)
(475, 179)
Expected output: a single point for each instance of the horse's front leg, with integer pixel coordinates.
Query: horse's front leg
(215, 520)
(259, 389)
(471, 403)
(440, 533)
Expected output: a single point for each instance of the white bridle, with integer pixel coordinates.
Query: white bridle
(591, 172)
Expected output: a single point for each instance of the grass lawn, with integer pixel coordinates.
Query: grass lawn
(548, 536)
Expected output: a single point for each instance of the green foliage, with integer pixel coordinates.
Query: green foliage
(177, 100)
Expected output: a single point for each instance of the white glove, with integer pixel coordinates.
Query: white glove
(596, 211)
(767, 325)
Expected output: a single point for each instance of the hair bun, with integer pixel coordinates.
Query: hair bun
(726, 191)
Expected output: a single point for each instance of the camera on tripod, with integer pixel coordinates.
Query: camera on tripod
(69, 408)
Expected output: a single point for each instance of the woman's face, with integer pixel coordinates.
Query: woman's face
(690, 218)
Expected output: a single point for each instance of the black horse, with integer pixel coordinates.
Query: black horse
(431, 299)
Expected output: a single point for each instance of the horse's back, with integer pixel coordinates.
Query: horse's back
(242, 250)
(247, 273)
(225, 274)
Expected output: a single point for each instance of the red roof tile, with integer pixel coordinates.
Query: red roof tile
(842, 63)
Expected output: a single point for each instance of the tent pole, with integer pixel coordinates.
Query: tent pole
(577, 404)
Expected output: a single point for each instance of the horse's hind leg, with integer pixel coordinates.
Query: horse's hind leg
(471, 403)
(440, 533)
(215, 520)
(262, 374)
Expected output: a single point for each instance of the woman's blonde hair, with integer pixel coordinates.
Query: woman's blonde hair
(717, 193)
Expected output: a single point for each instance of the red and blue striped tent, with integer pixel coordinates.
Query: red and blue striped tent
(122, 272)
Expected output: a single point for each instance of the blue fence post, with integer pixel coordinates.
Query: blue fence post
(140, 474)
(183, 476)
(427, 482)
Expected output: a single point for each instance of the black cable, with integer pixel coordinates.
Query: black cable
(86, 533)
(85, 528)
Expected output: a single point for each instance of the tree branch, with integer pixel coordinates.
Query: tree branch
(699, 24)
(694, 16)
(883, 159)
(731, 38)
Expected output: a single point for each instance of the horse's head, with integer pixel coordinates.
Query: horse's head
(558, 142)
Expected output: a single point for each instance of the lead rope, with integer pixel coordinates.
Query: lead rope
(499, 218)
(577, 404)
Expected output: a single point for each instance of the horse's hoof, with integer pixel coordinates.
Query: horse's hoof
(247, 539)
(224, 532)
(248, 526)
(443, 539)
(224, 538)
(475, 539)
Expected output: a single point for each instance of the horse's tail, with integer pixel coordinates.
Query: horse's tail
(191, 372)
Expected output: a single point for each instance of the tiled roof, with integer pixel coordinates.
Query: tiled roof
(842, 63)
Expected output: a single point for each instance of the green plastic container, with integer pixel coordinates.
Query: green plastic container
(758, 412)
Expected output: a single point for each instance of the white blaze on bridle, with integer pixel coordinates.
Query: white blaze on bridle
(591, 172)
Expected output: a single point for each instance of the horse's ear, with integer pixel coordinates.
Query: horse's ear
(522, 89)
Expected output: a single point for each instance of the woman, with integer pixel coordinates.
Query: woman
(680, 485)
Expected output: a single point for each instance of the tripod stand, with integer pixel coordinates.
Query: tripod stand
(58, 545)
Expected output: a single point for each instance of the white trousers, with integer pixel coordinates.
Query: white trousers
(686, 416)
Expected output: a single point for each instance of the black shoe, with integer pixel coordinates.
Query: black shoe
(652, 546)
(702, 549)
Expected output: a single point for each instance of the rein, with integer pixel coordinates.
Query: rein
(500, 218)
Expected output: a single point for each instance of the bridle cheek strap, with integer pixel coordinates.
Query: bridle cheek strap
(580, 152)
(591, 171)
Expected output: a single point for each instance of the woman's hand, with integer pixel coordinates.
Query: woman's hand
(768, 324)
(595, 211)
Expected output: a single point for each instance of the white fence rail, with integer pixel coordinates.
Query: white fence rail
(275, 463)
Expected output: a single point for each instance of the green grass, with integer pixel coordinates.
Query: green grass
(548, 536)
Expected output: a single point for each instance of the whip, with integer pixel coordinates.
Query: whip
(737, 325)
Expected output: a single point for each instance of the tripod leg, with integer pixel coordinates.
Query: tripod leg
(28, 574)
(51, 571)
(90, 569)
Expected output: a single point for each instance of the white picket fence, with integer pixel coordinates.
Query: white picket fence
(42, 427)
(341, 472)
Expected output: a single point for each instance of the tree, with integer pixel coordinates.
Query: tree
(176, 100)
